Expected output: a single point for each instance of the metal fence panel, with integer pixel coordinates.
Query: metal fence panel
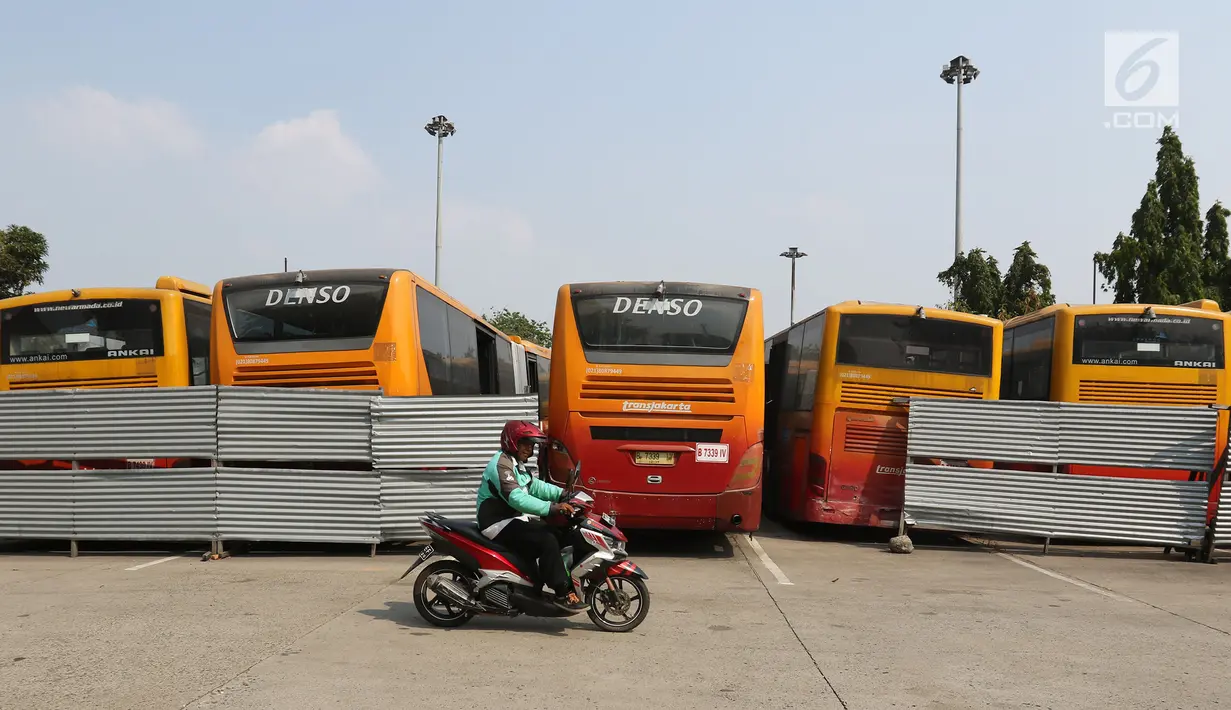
(120, 423)
(406, 496)
(275, 424)
(36, 505)
(1056, 505)
(987, 430)
(298, 505)
(1139, 437)
(1222, 527)
(169, 504)
(442, 432)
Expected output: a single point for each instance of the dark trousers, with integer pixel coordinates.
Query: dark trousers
(534, 540)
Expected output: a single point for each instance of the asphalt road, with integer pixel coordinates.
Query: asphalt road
(787, 621)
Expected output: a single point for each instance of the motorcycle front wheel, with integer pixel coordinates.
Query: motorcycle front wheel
(436, 609)
(620, 609)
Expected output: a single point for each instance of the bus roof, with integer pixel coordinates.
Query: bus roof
(683, 288)
(532, 347)
(895, 309)
(164, 283)
(1202, 308)
(288, 278)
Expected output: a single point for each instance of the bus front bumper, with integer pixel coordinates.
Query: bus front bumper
(730, 511)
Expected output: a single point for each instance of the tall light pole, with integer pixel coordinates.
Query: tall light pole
(441, 128)
(959, 71)
(793, 253)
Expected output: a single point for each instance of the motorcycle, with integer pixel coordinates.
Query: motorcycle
(484, 577)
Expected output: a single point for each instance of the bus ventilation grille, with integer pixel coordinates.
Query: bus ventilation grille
(1178, 395)
(882, 395)
(676, 389)
(351, 375)
(89, 383)
(864, 438)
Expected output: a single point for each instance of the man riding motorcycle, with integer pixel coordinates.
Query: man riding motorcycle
(508, 497)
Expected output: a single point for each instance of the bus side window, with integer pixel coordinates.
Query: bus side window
(434, 341)
(505, 383)
(1006, 365)
(532, 373)
(196, 323)
(1032, 349)
(544, 368)
(810, 361)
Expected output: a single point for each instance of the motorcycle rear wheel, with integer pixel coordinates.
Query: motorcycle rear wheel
(439, 611)
(602, 604)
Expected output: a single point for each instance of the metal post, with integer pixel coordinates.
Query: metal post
(440, 164)
(792, 292)
(1094, 282)
(957, 200)
(441, 128)
(285, 268)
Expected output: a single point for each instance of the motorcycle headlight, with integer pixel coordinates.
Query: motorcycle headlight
(617, 545)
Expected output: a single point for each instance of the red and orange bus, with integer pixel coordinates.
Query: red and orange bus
(658, 391)
(1120, 353)
(356, 329)
(835, 434)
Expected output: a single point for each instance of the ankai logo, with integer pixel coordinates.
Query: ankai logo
(143, 352)
(683, 407)
(1193, 363)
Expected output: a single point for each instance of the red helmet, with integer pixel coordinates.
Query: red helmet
(517, 431)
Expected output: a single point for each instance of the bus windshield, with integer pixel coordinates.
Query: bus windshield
(912, 343)
(69, 331)
(640, 329)
(1161, 341)
(318, 312)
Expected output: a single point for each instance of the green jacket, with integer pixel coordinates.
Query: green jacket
(508, 492)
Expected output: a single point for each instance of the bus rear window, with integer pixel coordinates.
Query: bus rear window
(1138, 340)
(69, 331)
(642, 329)
(316, 312)
(912, 343)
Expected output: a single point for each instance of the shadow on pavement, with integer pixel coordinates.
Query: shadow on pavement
(678, 543)
(404, 614)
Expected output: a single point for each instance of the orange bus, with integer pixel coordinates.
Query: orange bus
(836, 432)
(355, 329)
(1120, 353)
(657, 391)
(107, 337)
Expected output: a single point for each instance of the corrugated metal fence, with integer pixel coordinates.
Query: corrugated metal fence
(266, 463)
(1054, 504)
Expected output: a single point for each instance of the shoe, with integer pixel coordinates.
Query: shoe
(570, 602)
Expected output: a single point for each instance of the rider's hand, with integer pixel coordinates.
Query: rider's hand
(562, 508)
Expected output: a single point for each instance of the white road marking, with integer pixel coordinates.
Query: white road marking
(151, 564)
(717, 548)
(769, 564)
(1064, 578)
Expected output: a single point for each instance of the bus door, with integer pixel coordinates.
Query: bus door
(773, 480)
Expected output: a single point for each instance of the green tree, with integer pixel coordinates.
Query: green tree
(23, 260)
(1160, 260)
(1027, 284)
(517, 323)
(1216, 265)
(974, 279)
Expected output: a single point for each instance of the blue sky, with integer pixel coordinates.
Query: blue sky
(681, 140)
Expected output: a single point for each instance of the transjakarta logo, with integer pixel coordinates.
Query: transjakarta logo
(657, 407)
(1193, 363)
(889, 470)
(312, 294)
(666, 306)
(144, 352)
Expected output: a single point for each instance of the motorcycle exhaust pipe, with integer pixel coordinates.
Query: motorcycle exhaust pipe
(454, 592)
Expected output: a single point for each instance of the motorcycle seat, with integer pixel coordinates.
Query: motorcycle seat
(470, 530)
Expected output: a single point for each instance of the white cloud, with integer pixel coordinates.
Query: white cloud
(308, 161)
(87, 120)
